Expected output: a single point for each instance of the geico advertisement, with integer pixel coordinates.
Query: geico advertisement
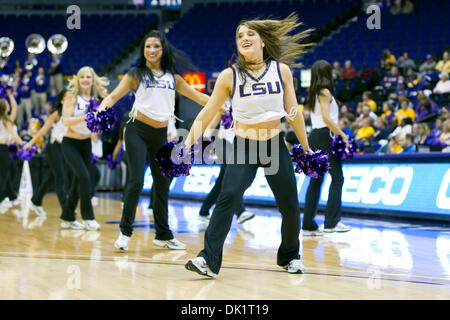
(421, 188)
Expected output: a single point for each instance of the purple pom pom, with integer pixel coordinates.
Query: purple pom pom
(94, 159)
(172, 157)
(27, 154)
(339, 149)
(106, 119)
(314, 164)
(112, 164)
(93, 105)
(103, 121)
(227, 119)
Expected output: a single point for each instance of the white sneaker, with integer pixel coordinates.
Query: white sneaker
(39, 210)
(75, 225)
(122, 242)
(245, 216)
(200, 266)
(6, 203)
(94, 201)
(91, 225)
(173, 244)
(313, 233)
(295, 266)
(340, 227)
(15, 202)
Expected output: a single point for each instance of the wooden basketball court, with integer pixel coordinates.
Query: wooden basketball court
(376, 260)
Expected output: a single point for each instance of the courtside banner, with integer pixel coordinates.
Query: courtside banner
(413, 187)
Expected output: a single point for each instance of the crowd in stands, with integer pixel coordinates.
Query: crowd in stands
(407, 108)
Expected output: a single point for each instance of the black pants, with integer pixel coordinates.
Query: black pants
(56, 176)
(237, 178)
(5, 164)
(142, 140)
(321, 139)
(95, 178)
(221, 150)
(12, 187)
(78, 155)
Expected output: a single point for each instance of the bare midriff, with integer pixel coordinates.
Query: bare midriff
(258, 131)
(151, 122)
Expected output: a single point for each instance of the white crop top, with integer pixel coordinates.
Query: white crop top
(4, 133)
(80, 110)
(260, 99)
(155, 100)
(58, 131)
(316, 116)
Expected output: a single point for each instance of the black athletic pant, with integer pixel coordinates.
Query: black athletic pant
(12, 187)
(142, 140)
(95, 178)
(221, 146)
(55, 175)
(321, 139)
(5, 164)
(237, 178)
(78, 155)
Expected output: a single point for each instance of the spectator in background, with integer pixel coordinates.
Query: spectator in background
(24, 90)
(424, 109)
(405, 63)
(428, 66)
(435, 134)
(348, 72)
(405, 140)
(404, 127)
(39, 92)
(420, 131)
(415, 86)
(366, 132)
(388, 113)
(444, 64)
(337, 71)
(344, 124)
(408, 7)
(443, 85)
(396, 8)
(367, 100)
(405, 112)
(445, 136)
(382, 130)
(388, 60)
(366, 112)
(31, 64)
(55, 73)
(391, 79)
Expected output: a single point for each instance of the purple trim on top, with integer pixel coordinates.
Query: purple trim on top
(262, 75)
(234, 82)
(279, 74)
(175, 82)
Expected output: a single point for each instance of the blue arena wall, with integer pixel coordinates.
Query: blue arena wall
(417, 186)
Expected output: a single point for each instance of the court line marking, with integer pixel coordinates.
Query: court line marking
(225, 266)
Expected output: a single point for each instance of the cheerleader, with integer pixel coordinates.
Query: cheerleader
(260, 86)
(76, 146)
(154, 82)
(54, 158)
(7, 131)
(324, 117)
